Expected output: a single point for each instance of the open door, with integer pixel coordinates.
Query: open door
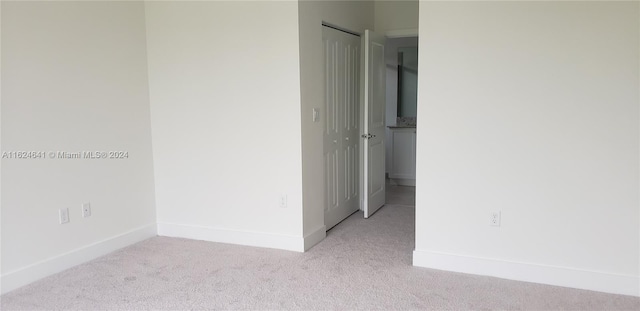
(374, 80)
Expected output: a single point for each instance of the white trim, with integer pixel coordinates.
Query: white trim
(402, 33)
(33, 272)
(219, 235)
(529, 272)
(345, 30)
(310, 240)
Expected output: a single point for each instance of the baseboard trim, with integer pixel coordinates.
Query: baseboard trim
(33, 272)
(310, 240)
(248, 238)
(528, 272)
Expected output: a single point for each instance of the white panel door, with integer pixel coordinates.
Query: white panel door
(341, 126)
(374, 86)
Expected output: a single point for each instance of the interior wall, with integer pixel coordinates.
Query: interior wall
(74, 79)
(395, 15)
(225, 107)
(531, 109)
(355, 16)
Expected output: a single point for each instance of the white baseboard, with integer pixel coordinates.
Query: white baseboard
(31, 273)
(248, 238)
(314, 237)
(528, 272)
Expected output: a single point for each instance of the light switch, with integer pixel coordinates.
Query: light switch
(316, 115)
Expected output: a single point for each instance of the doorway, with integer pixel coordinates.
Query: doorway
(401, 60)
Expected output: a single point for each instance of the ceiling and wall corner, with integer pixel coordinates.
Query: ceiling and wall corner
(74, 79)
(531, 109)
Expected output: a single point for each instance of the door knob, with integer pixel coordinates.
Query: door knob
(368, 136)
(346, 138)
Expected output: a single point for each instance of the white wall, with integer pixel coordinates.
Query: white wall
(355, 16)
(396, 16)
(530, 109)
(225, 106)
(74, 79)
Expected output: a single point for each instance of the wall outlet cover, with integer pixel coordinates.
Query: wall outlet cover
(86, 210)
(63, 214)
(495, 219)
(283, 201)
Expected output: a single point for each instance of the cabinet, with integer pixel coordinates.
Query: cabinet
(403, 155)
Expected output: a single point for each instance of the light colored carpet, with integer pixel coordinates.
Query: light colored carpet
(401, 195)
(362, 264)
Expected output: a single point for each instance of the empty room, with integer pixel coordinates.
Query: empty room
(320, 155)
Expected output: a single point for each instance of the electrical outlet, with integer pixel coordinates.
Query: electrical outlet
(495, 219)
(64, 215)
(86, 210)
(283, 201)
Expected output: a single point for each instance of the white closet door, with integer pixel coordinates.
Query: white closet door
(341, 124)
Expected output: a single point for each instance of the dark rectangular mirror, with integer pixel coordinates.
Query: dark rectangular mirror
(407, 81)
